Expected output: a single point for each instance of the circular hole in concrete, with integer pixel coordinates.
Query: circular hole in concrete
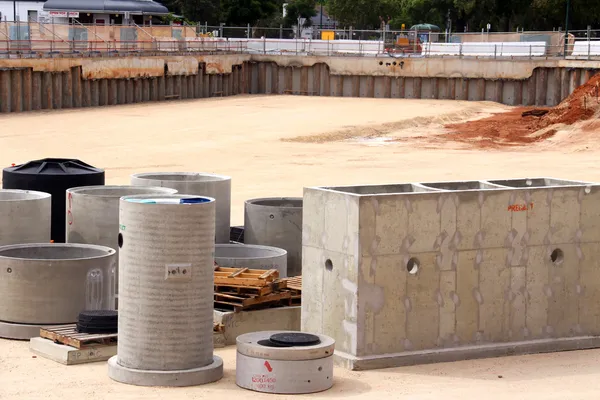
(328, 265)
(320, 368)
(412, 266)
(380, 62)
(394, 63)
(557, 256)
(120, 240)
(9, 270)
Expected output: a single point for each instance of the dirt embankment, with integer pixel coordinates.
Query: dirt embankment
(525, 125)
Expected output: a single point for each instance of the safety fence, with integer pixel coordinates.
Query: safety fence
(35, 39)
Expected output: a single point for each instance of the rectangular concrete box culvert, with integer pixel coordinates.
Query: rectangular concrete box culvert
(428, 272)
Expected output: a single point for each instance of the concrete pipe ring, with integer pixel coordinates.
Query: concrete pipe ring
(25, 216)
(68, 278)
(197, 184)
(284, 362)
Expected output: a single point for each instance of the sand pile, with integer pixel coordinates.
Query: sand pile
(526, 125)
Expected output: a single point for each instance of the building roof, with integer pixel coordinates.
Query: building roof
(107, 6)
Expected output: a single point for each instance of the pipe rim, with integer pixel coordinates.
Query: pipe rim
(108, 252)
(30, 195)
(276, 251)
(128, 199)
(256, 202)
(187, 177)
(88, 190)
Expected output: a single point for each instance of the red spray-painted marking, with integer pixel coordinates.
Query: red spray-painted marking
(269, 368)
(520, 207)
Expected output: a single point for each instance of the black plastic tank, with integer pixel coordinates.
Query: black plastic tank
(54, 176)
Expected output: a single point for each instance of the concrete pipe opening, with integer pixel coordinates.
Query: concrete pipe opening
(252, 256)
(197, 184)
(67, 278)
(119, 191)
(25, 216)
(181, 177)
(22, 195)
(279, 202)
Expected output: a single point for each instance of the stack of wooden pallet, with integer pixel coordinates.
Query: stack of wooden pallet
(242, 289)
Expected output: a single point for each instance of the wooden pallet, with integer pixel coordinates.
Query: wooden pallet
(294, 283)
(258, 291)
(244, 277)
(241, 302)
(67, 334)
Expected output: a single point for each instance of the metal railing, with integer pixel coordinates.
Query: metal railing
(37, 39)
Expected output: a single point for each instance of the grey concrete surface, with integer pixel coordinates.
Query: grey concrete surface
(93, 214)
(25, 217)
(68, 355)
(194, 183)
(411, 275)
(166, 253)
(179, 378)
(277, 222)
(252, 256)
(273, 319)
(52, 283)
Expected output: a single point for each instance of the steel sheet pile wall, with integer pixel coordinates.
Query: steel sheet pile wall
(417, 273)
(166, 292)
(26, 88)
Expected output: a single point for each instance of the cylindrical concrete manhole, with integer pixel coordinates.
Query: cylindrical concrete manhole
(25, 217)
(284, 362)
(197, 184)
(251, 256)
(276, 222)
(93, 214)
(50, 284)
(166, 297)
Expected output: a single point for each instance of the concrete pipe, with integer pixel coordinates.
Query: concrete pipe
(251, 256)
(276, 222)
(93, 214)
(197, 184)
(50, 284)
(166, 298)
(284, 362)
(25, 217)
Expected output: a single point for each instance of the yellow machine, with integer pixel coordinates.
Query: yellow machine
(327, 35)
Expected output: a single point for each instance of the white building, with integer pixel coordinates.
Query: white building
(85, 11)
(26, 10)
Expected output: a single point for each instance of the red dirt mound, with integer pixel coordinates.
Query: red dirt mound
(523, 125)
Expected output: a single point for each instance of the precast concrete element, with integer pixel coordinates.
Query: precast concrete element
(277, 222)
(166, 298)
(252, 256)
(25, 216)
(284, 362)
(460, 270)
(46, 283)
(93, 214)
(198, 184)
(232, 324)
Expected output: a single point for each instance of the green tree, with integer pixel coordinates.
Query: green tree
(201, 10)
(300, 9)
(243, 12)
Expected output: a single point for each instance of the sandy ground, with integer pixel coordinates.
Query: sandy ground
(275, 146)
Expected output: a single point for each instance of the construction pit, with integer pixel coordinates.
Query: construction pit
(278, 145)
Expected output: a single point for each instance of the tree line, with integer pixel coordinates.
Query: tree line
(461, 15)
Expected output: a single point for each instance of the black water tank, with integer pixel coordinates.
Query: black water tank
(54, 176)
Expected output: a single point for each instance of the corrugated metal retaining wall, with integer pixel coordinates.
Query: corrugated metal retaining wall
(23, 89)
